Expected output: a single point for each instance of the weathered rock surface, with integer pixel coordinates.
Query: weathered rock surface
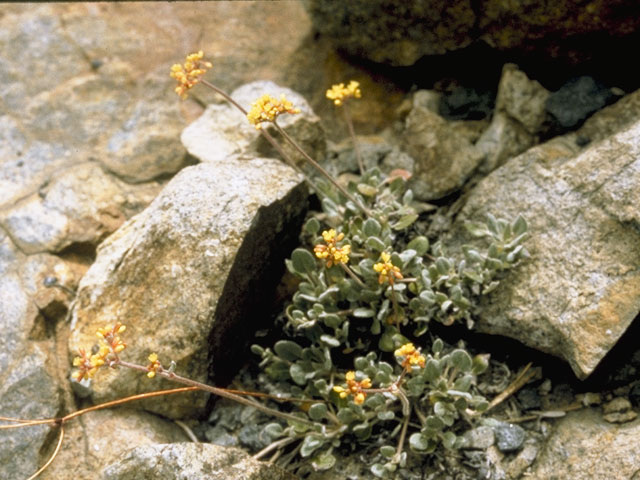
(400, 33)
(188, 274)
(444, 156)
(186, 461)
(518, 117)
(82, 204)
(580, 290)
(223, 131)
(99, 438)
(585, 447)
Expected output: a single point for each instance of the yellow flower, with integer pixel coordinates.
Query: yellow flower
(354, 388)
(267, 109)
(190, 73)
(154, 366)
(387, 270)
(331, 252)
(339, 93)
(412, 356)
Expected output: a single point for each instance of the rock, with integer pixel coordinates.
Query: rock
(576, 100)
(342, 157)
(465, 103)
(400, 33)
(509, 437)
(518, 118)
(186, 461)
(618, 410)
(579, 291)
(223, 131)
(479, 438)
(99, 438)
(82, 204)
(585, 447)
(28, 376)
(516, 467)
(444, 158)
(189, 275)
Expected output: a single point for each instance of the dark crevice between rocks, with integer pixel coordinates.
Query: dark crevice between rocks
(44, 325)
(80, 252)
(618, 368)
(244, 306)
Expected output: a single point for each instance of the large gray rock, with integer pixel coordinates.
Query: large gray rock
(189, 274)
(444, 156)
(96, 439)
(399, 32)
(82, 204)
(580, 290)
(517, 118)
(187, 461)
(583, 446)
(223, 131)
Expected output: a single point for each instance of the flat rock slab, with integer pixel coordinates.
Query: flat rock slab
(187, 461)
(585, 447)
(580, 289)
(189, 275)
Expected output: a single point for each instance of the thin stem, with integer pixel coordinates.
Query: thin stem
(216, 391)
(352, 275)
(274, 446)
(324, 173)
(403, 434)
(356, 147)
(52, 457)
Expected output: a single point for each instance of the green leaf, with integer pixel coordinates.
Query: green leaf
(375, 244)
(346, 415)
(302, 261)
(297, 374)
(405, 221)
(519, 226)
(367, 190)
(362, 431)
(378, 470)
(371, 227)
(387, 451)
(461, 360)
(363, 312)
(448, 439)
(420, 245)
(477, 229)
(480, 364)
(434, 423)
(288, 350)
(312, 226)
(432, 370)
(257, 349)
(331, 320)
(309, 444)
(418, 441)
(386, 415)
(323, 461)
(273, 430)
(317, 411)
(386, 343)
(330, 340)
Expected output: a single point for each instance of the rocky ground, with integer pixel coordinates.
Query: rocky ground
(118, 201)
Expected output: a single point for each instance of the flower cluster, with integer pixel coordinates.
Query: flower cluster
(339, 93)
(267, 109)
(387, 270)
(354, 388)
(331, 252)
(412, 356)
(189, 74)
(111, 346)
(155, 366)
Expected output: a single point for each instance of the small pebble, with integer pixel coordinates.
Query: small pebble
(509, 437)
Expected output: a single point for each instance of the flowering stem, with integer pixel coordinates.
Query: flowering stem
(317, 166)
(273, 446)
(216, 391)
(264, 133)
(403, 434)
(352, 274)
(356, 147)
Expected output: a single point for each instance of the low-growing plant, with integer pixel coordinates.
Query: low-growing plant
(356, 351)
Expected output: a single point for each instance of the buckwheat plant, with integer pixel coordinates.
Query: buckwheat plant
(354, 349)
